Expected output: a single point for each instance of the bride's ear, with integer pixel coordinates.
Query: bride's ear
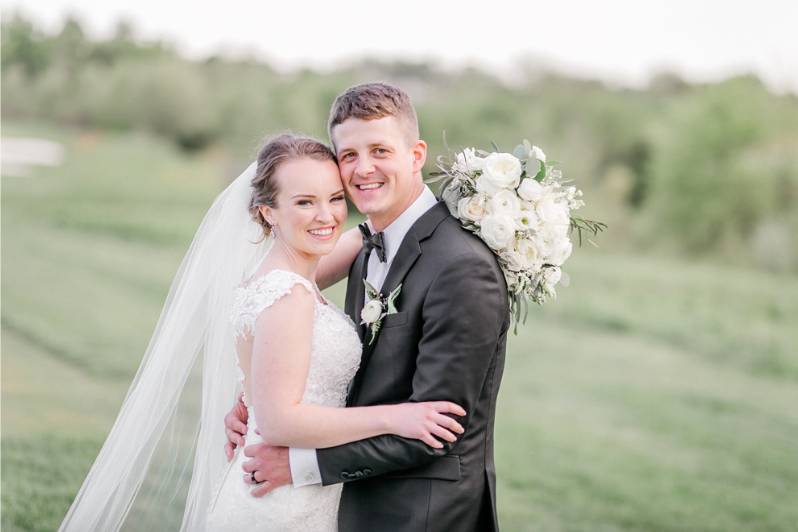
(266, 213)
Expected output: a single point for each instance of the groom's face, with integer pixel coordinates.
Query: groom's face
(380, 166)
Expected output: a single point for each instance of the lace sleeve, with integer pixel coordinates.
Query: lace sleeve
(260, 294)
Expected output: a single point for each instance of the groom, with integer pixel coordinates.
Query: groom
(445, 342)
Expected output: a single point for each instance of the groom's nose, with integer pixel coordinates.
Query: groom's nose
(364, 167)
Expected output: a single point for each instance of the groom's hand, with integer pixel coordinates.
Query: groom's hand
(270, 465)
(235, 427)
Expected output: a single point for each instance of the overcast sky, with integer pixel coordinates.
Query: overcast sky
(620, 41)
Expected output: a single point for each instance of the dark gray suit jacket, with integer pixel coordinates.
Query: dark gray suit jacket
(447, 342)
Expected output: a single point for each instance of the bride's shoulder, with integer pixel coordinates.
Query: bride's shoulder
(263, 291)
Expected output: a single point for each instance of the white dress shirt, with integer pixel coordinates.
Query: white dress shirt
(303, 462)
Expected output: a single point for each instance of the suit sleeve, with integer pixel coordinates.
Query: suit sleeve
(464, 315)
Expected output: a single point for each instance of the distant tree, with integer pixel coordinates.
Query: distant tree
(23, 46)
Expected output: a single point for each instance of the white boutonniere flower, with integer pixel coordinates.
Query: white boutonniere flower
(376, 308)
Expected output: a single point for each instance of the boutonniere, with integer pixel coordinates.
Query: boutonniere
(376, 308)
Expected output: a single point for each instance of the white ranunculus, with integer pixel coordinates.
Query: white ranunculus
(473, 208)
(372, 311)
(538, 153)
(552, 211)
(498, 231)
(527, 220)
(467, 161)
(513, 260)
(560, 251)
(529, 253)
(505, 202)
(501, 171)
(530, 190)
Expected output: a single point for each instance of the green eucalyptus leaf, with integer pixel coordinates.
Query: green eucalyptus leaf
(541, 171)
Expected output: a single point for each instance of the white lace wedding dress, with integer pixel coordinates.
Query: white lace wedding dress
(334, 359)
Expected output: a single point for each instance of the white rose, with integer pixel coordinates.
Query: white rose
(529, 253)
(552, 211)
(505, 202)
(372, 311)
(530, 190)
(467, 161)
(513, 260)
(538, 153)
(498, 231)
(553, 232)
(560, 251)
(473, 208)
(502, 170)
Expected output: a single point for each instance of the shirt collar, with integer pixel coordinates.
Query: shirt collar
(393, 235)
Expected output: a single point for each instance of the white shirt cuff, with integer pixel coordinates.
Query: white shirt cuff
(304, 467)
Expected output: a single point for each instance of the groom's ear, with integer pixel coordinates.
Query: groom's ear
(419, 154)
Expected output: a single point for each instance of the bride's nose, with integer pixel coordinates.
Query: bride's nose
(324, 214)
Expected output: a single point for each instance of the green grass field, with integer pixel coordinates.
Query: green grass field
(654, 394)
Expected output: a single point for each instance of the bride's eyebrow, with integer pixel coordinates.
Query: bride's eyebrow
(303, 196)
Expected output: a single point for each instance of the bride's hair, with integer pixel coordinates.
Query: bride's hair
(275, 151)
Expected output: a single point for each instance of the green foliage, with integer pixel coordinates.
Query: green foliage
(702, 170)
(723, 164)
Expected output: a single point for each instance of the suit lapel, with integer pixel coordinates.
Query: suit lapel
(355, 292)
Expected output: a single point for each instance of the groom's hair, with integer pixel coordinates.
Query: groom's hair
(371, 101)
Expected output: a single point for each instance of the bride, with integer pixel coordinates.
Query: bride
(245, 314)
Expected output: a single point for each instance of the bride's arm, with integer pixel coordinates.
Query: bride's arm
(280, 361)
(335, 266)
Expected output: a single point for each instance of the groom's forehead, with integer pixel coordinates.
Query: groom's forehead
(356, 133)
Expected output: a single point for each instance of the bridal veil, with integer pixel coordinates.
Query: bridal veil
(161, 462)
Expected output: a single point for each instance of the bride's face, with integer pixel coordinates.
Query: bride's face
(311, 207)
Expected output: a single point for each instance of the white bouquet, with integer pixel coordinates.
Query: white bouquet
(520, 206)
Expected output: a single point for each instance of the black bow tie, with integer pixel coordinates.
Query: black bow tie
(372, 242)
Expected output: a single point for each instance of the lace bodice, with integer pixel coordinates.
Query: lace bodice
(334, 359)
(335, 351)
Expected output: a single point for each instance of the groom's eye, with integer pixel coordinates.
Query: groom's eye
(338, 198)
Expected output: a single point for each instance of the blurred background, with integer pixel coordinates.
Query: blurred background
(658, 392)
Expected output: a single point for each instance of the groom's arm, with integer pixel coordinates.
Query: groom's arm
(464, 314)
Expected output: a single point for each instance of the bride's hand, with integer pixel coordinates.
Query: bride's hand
(426, 421)
(235, 428)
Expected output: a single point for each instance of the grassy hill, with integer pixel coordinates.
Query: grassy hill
(654, 394)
